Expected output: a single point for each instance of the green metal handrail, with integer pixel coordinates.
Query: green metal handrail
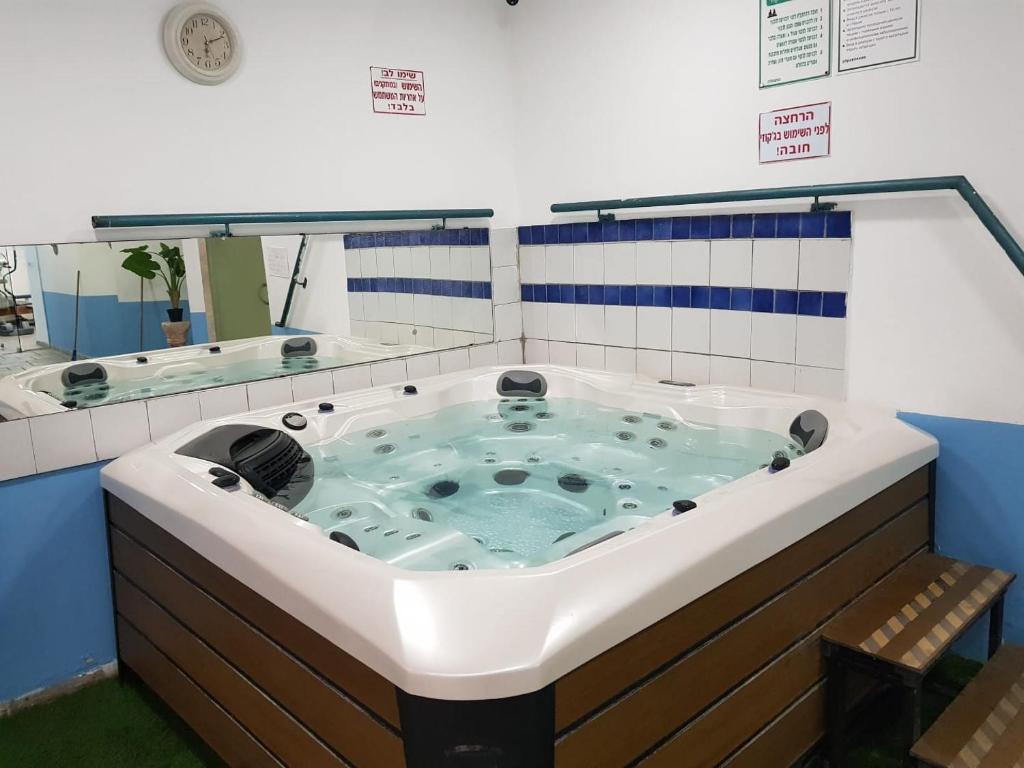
(301, 217)
(958, 183)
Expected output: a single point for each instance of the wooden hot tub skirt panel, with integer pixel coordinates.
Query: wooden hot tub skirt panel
(219, 653)
(742, 664)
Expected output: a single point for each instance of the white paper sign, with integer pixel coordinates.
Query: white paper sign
(277, 262)
(796, 40)
(876, 32)
(398, 91)
(797, 133)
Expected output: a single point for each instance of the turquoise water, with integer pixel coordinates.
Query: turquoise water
(518, 483)
(189, 376)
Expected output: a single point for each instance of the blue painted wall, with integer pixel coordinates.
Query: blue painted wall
(106, 326)
(979, 494)
(198, 330)
(56, 617)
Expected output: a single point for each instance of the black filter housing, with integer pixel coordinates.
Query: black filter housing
(272, 462)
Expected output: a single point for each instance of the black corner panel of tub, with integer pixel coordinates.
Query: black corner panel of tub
(517, 732)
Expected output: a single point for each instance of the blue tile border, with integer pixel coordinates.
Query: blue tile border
(468, 236)
(834, 224)
(462, 289)
(762, 300)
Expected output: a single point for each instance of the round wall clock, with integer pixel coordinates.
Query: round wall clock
(202, 43)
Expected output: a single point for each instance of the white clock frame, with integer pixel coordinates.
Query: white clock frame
(173, 23)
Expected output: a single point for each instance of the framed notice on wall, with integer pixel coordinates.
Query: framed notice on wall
(873, 33)
(796, 41)
(795, 133)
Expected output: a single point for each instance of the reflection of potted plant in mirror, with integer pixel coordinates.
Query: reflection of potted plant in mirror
(141, 262)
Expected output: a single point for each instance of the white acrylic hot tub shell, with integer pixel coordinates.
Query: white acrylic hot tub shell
(24, 394)
(490, 634)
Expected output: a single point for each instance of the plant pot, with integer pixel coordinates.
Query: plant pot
(176, 332)
(175, 314)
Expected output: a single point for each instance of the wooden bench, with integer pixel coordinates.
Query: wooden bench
(901, 627)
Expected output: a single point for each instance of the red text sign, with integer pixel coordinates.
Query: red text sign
(398, 91)
(796, 133)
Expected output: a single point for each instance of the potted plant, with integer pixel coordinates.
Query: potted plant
(141, 262)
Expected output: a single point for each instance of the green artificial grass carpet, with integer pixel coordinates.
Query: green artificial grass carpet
(112, 724)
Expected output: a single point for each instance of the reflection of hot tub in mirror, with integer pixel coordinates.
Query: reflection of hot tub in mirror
(120, 321)
(107, 380)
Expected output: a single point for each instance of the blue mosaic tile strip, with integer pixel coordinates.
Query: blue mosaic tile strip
(767, 300)
(466, 236)
(458, 289)
(835, 224)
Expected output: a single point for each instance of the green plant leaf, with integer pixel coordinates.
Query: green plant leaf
(140, 262)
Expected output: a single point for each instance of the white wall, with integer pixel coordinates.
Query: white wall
(106, 125)
(322, 306)
(620, 99)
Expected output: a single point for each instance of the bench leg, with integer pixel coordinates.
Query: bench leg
(995, 626)
(911, 717)
(835, 693)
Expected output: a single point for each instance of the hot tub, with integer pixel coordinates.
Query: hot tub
(518, 580)
(105, 380)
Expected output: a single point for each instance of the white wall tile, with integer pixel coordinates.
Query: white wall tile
(504, 243)
(351, 378)
(440, 262)
(653, 263)
(505, 288)
(776, 263)
(821, 341)
(535, 320)
(403, 262)
(480, 263)
(453, 360)
(368, 262)
(620, 263)
(264, 394)
(62, 440)
(562, 322)
(386, 262)
(821, 382)
(730, 333)
(588, 264)
(590, 323)
(618, 360)
(508, 320)
(562, 353)
(388, 372)
(773, 337)
(223, 401)
(482, 313)
(731, 262)
(590, 356)
(119, 428)
(404, 304)
(620, 326)
(422, 366)
(654, 327)
(443, 338)
(482, 355)
(691, 262)
(510, 352)
(824, 265)
(655, 363)
(558, 263)
(691, 330)
(312, 385)
(531, 263)
(536, 351)
(420, 262)
(16, 456)
(462, 269)
(352, 265)
(777, 377)
(731, 371)
(687, 367)
(169, 414)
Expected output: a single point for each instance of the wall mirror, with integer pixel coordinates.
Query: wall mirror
(89, 324)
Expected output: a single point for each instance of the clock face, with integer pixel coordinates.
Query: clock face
(206, 43)
(202, 43)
